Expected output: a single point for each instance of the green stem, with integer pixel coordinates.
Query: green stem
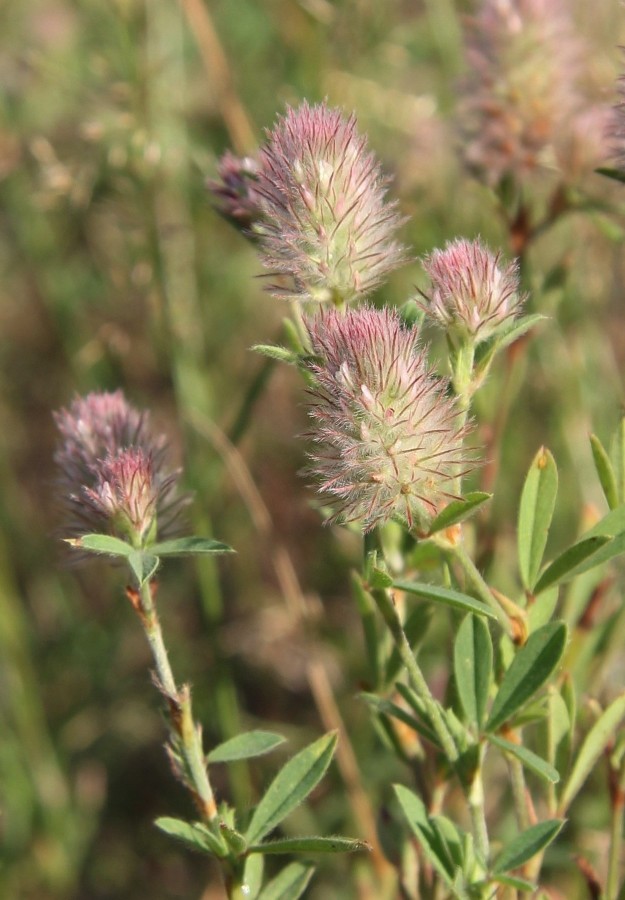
(616, 837)
(476, 581)
(518, 793)
(187, 735)
(478, 813)
(417, 679)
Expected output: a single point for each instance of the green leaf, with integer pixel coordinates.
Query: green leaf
(610, 525)
(579, 558)
(310, 845)
(541, 608)
(521, 848)
(507, 335)
(233, 838)
(594, 744)
(416, 814)
(614, 174)
(245, 746)
(529, 670)
(528, 758)
(291, 786)
(274, 351)
(101, 543)
(459, 510)
(535, 514)
(446, 596)
(514, 882)
(194, 834)
(143, 565)
(379, 579)
(290, 884)
(605, 471)
(252, 876)
(386, 707)
(189, 546)
(473, 660)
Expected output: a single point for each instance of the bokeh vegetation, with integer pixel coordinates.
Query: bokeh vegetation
(115, 271)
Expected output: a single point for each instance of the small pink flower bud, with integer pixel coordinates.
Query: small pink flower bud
(327, 229)
(472, 293)
(114, 477)
(235, 192)
(387, 438)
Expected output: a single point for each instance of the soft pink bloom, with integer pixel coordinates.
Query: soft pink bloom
(387, 439)
(473, 291)
(327, 229)
(114, 477)
(522, 94)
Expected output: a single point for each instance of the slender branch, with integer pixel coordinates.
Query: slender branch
(457, 553)
(186, 734)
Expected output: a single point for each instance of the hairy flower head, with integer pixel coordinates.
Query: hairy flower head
(473, 292)
(386, 437)
(113, 473)
(327, 229)
(521, 95)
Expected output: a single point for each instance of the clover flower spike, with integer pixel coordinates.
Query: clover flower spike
(327, 230)
(473, 293)
(113, 473)
(234, 191)
(387, 442)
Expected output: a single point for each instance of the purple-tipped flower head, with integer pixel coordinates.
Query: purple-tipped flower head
(521, 96)
(473, 292)
(387, 439)
(114, 477)
(327, 230)
(235, 192)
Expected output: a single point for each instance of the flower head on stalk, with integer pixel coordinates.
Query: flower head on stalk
(473, 293)
(327, 230)
(522, 95)
(386, 435)
(113, 473)
(234, 191)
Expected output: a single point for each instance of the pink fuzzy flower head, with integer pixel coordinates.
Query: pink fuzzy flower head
(387, 439)
(327, 229)
(473, 293)
(113, 473)
(521, 95)
(234, 191)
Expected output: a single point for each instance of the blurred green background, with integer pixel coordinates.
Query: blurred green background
(116, 272)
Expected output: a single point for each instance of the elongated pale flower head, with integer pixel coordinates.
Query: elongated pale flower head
(113, 473)
(386, 439)
(522, 93)
(327, 229)
(473, 291)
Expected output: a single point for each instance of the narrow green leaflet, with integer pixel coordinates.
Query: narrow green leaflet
(513, 881)
(189, 546)
(245, 746)
(446, 596)
(541, 610)
(594, 744)
(291, 786)
(459, 510)
(233, 838)
(274, 351)
(253, 876)
(101, 543)
(290, 884)
(388, 708)
(528, 758)
(143, 564)
(528, 671)
(521, 848)
(310, 845)
(194, 834)
(605, 471)
(583, 555)
(535, 513)
(417, 817)
(473, 661)
(615, 174)
(611, 524)
(487, 349)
